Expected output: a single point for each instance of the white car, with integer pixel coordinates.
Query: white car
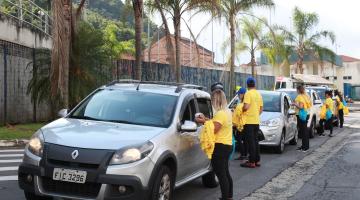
(314, 120)
(278, 120)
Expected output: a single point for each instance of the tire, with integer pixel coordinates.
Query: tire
(163, 185)
(32, 196)
(295, 139)
(312, 128)
(280, 148)
(209, 180)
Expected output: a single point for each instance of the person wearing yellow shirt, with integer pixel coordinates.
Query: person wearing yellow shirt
(222, 121)
(329, 104)
(340, 107)
(238, 123)
(253, 105)
(302, 101)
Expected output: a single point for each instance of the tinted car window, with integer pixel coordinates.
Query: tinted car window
(205, 107)
(271, 102)
(132, 107)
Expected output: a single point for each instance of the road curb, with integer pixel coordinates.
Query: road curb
(13, 143)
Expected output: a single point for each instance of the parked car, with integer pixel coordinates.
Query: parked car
(126, 140)
(321, 92)
(314, 120)
(278, 121)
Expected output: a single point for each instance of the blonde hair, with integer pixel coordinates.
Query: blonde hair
(218, 100)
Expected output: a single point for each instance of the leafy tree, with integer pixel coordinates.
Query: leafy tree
(304, 40)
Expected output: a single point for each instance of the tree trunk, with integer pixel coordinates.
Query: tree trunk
(300, 63)
(138, 10)
(232, 56)
(177, 19)
(60, 55)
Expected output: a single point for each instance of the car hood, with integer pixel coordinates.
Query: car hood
(96, 134)
(269, 115)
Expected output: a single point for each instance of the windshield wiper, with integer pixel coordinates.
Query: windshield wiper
(85, 117)
(120, 121)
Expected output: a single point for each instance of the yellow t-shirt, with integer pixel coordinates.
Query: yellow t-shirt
(238, 118)
(305, 100)
(224, 135)
(330, 104)
(340, 104)
(252, 115)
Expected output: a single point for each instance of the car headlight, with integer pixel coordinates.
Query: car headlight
(272, 122)
(36, 144)
(131, 154)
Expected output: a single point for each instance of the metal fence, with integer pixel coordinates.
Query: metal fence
(201, 76)
(28, 13)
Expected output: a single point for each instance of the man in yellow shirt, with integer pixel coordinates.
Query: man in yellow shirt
(253, 105)
(340, 107)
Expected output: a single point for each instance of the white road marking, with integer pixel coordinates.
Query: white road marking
(8, 178)
(11, 161)
(10, 155)
(290, 181)
(11, 150)
(8, 168)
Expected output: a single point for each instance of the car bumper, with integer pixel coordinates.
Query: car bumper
(105, 185)
(272, 136)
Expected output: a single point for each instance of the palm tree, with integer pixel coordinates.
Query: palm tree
(138, 11)
(63, 24)
(304, 40)
(229, 10)
(252, 32)
(176, 10)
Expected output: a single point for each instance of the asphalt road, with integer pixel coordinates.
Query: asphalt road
(338, 175)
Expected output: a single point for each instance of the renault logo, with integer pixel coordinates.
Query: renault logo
(75, 154)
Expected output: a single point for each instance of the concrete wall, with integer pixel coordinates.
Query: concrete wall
(13, 31)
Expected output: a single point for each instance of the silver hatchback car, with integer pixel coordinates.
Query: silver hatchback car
(277, 121)
(126, 140)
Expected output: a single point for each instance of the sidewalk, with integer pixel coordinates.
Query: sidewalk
(354, 106)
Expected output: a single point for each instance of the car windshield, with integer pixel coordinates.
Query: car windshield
(293, 94)
(271, 102)
(321, 92)
(129, 107)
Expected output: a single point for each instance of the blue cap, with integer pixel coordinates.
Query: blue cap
(241, 91)
(250, 80)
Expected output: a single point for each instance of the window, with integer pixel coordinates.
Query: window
(345, 77)
(205, 107)
(335, 77)
(283, 85)
(189, 113)
(349, 77)
(313, 97)
(327, 78)
(286, 105)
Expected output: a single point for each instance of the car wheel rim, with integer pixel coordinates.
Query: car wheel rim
(164, 189)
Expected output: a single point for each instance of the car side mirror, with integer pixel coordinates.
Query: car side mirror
(188, 126)
(63, 112)
(291, 112)
(317, 102)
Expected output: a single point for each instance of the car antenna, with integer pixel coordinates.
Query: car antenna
(137, 87)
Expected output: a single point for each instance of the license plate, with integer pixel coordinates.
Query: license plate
(68, 175)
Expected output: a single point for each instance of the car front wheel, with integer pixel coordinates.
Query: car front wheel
(280, 148)
(312, 128)
(295, 138)
(163, 185)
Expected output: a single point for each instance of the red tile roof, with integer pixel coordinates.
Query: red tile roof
(349, 59)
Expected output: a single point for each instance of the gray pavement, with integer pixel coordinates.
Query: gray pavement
(343, 166)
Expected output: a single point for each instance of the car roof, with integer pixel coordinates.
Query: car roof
(157, 88)
(270, 92)
(293, 90)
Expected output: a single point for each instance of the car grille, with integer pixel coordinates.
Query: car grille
(61, 163)
(86, 190)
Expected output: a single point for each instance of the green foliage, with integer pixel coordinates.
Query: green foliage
(20, 131)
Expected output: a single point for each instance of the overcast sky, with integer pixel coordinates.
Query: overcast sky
(341, 17)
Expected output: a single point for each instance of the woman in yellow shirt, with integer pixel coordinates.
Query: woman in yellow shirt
(329, 104)
(238, 123)
(303, 101)
(223, 142)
